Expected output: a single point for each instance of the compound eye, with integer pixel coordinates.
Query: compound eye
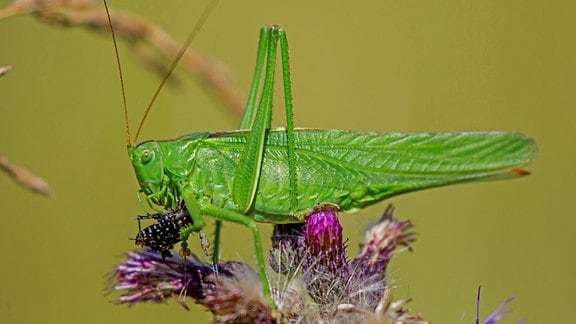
(146, 156)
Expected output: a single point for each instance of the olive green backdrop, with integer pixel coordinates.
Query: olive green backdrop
(361, 65)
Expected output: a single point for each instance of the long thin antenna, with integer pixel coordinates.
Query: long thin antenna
(126, 123)
(205, 14)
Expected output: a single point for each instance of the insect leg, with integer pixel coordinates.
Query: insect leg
(198, 222)
(216, 246)
(247, 117)
(289, 117)
(250, 108)
(232, 216)
(248, 171)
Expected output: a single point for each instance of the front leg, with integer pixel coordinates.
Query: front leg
(198, 222)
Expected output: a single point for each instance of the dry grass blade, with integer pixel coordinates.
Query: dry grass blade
(5, 69)
(150, 43)
(25, 177)
(19, 174)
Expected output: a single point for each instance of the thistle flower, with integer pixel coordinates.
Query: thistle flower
(147, 276)
(324, 258)
(287, 247)
(380, 243)
(231, 290)
(497, 315)
(313, 281)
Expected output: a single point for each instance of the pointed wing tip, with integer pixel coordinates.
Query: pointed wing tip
(519, 172)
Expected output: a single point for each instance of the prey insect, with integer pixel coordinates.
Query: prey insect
(279, 175)
(162, 235)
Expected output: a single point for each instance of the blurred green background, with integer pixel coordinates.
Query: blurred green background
(365, 65)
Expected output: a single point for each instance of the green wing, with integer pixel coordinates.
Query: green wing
(356, 169)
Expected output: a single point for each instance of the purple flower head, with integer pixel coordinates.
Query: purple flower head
(323, 241)
(231, 290)
(497, 315)
(313, 257)
(323, 236)
(324, 257)
(146, 276)
(380, 243)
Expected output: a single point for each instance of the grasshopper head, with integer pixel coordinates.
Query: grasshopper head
(147, 162)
